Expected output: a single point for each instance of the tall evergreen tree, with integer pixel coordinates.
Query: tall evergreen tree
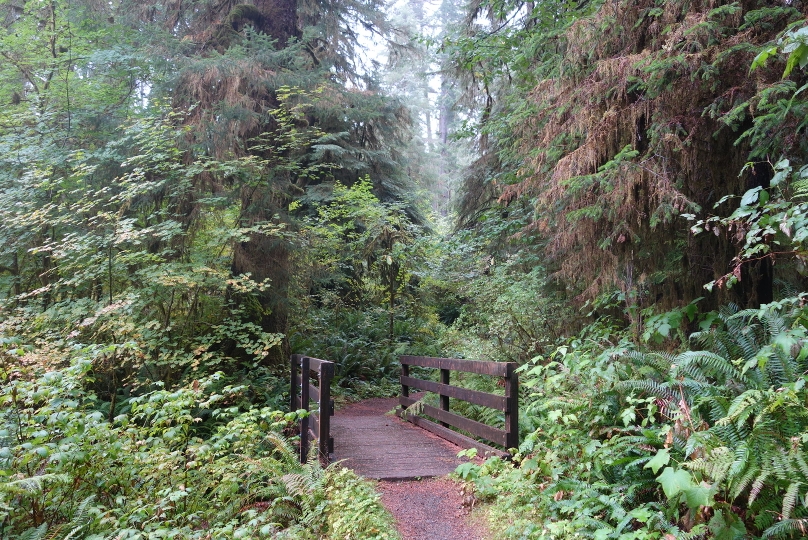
(614, 120)
(284, 84)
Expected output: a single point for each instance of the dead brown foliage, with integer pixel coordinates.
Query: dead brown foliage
(656, 85)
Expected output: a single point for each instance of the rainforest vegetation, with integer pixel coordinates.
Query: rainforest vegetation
(612, 193)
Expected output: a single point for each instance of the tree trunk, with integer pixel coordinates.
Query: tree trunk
(265, 257)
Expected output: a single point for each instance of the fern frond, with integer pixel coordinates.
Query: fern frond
(773, 323)
(715, 465)
(783, 464)
(745, 340)
(704, 364)
(282, 447)
(694, 390)
(33, 484)
(781, 368)
(659, 362)
(81, 519)
(743, 482)
(788, 528)
(648, 387)
(699, 531)
(37, 533)
(742, 407)
(757, 486)
(800, 187)
(741, 459)
(790, 499)
(716, 405)
(731, 433)
(799, 458)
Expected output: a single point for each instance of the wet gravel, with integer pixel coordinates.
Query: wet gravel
(431, 509)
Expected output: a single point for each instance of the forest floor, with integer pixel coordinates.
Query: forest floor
(428, 508)
(431, 509)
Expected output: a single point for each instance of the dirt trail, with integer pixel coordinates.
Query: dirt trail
(430, 509)
(427, 509)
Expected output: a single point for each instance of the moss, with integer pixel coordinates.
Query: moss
(244, 15)
(241, 16)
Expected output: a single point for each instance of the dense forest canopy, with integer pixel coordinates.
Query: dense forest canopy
(611, 193)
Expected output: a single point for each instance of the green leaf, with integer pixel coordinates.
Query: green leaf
(674, 481)
(751, 196)
(764, 196)
(727, 527)
(763, 56)
(661, 459)
(698, 496)
(798, 57)
(628, 415)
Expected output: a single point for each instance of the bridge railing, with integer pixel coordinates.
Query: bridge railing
(508, 404)
(317, 425)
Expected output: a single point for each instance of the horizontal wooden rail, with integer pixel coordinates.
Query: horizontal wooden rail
(508, 404)
(472, 426)
(317, 425)
(495, 369)
(470, 396)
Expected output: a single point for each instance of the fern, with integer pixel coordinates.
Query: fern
(741, 405)
(741, 459)
(658, 363)
(716, 465)
(742, 408)
(790, 499)
(788, 528)
(648, 387)
(743, 482)
(705, 365)
(33, 484)
(757, 486)
(37, 533)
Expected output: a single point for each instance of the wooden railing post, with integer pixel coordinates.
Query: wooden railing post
(326, 373)
(512, 414)
(405, 372)
(293, 404)
(304, 398)
(316, 423)
(444, 400)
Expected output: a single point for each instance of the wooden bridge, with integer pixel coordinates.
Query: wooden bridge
(418, 440)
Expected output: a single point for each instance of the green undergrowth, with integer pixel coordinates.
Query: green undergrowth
(186, 462)
(631, 443)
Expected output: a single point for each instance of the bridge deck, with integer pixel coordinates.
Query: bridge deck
(381, 446)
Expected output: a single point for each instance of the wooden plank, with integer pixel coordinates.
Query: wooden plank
(495, 369)
(304, 401)
(385, 447)
(314, 423)
(295, 382)
(314, 393)
(475, 428)
(315, 363)
(405, 372)
(452, 436)
(472, 396)
(444, 399)
(512, 415)
(324, 421)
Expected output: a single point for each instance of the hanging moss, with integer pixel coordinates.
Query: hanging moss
(631, 130)
(228, 31)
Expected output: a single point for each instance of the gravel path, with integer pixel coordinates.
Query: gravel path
(428, 509)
